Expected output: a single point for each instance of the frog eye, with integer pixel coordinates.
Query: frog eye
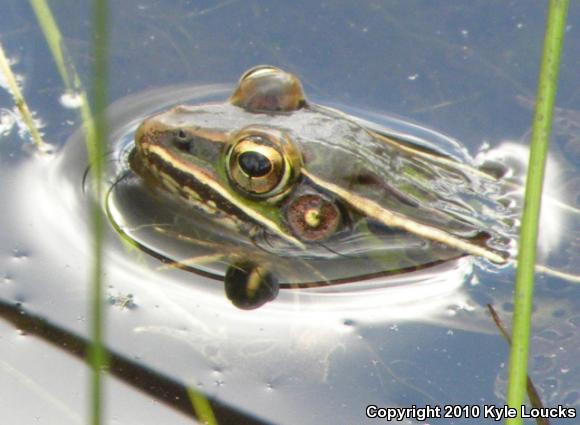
(265, 88)
(312, 217)
(255, 166)
(262, 162)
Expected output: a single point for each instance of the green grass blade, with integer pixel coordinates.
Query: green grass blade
(541, 128)
(95, 131)
(53, 37)
(201, 406)
(533, 394)
(68, 74)
(96, 136)
(19, 101)
(96, 145)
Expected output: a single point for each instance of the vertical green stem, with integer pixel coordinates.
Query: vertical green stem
(68, 73)
(96, 142)
(55, 43)
(529, 232)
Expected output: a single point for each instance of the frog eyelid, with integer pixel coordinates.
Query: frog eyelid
(252, 72)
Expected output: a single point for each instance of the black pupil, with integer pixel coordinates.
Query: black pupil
(254, 164)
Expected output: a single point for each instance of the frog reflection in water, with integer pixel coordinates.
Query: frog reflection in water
(295, 180)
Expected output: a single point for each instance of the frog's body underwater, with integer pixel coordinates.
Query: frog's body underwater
(296, 180)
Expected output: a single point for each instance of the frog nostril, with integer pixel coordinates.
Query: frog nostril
(181, 139)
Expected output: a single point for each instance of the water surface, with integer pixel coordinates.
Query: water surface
(465, 71)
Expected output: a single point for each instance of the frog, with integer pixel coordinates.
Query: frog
(298, 185)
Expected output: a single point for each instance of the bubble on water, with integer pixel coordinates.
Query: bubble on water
(19, 254)
(575, 321)
(571, 398)
(550, 382)
(559, 313)
(7, 121)
(452, 310)
(543, 363)
(45, 149)
(123, 301)
(552, 335)
(508, 307)
(71, 100)
(211, 350)
(19, 78)
(348, 322)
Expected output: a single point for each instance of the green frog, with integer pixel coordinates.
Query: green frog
(300, 188)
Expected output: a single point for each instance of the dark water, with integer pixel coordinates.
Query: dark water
(311, 357)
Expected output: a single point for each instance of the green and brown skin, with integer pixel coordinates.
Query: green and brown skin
(269, 161)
